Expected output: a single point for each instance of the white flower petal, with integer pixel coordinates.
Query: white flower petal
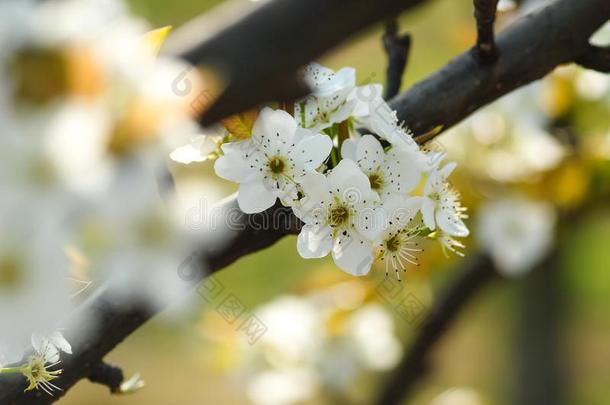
(348, 180)
(233, 166)
(451, 224)
(348, 150)
(314, 242)
(427, 211)
(370, 222)
(254, 197)
(275, 127)
(369, 154)
(312, 151)
(59, 341)
(316, 193)
(353, 254)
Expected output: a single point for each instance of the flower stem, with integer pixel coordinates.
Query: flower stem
(11, 370)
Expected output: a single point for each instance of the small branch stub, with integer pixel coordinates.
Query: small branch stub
(397, 48)
(485, 14)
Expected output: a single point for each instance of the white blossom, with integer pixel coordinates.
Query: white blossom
(398, 244)
(335, 98)
(397, 171)
(271, 163)
(441, 205)
(341, 214)
(517, 233)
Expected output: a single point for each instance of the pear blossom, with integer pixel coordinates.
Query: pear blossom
(517, 232)
(341, 214)
(449, 244)
(271, 163)
(398, 245)
(38, 368)
(441, 205)
(335, 97)
(396, 171)
(46, 356)
(200, 147)
(382, 120)
(329, 102)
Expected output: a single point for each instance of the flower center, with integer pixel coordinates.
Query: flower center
(393, 244)
(435, 196)
(376, 181)
(276, 165)
(9, 271)
(338, 215)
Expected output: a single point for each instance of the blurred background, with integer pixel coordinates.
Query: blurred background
(332, 339)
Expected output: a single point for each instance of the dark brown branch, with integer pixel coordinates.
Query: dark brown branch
(596, 58)
(108, 375)
(262, 53)
(529, 49)
(477, 272)
(485, 16)
(397, 48)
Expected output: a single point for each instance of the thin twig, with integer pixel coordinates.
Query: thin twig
(397, 49)
(485, 15)
(530, 48)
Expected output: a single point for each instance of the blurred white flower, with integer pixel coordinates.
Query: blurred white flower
(516, 232)
(34, 293)
(294, 330)
(199, 149)
(50, 346)
(458, 396)
(372, 328)
(283, 387)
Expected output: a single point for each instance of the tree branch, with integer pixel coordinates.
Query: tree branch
(261, 54)
(529, 49)
(485, 15)
(477, 272)
(267, 47)
(397, 48)
(596, 58)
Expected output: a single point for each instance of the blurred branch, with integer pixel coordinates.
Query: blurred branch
(529, 49)
(261, 54)
(397, 48)
(475, 274)
(485, 15)
(539, 373)
(596, 58)
(112, 319)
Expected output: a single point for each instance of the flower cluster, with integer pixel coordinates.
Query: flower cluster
(86, 107)
(350, 170)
